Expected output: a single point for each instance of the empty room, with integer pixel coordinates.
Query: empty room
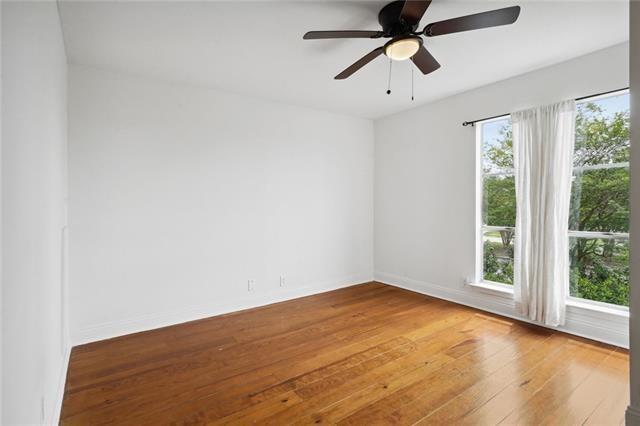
(404, 212)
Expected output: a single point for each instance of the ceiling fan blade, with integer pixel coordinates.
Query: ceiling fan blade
(318, 35)
(493, 18)
(360, 63)
(425, 61)
(413, 10)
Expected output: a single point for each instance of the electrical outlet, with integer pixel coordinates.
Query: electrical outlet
(251, 284)
(283, 281)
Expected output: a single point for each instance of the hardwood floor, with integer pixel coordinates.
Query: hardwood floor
(367, 354)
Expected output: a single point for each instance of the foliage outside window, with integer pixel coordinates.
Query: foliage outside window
(599, 216)
(498, 201)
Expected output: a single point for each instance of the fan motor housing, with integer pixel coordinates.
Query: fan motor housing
(389, 19)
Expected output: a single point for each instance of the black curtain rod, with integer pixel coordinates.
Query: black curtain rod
(473, 123)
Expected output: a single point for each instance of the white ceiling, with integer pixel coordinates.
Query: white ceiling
(256, 48)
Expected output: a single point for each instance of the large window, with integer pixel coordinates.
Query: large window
(599, 218)
(599, 215)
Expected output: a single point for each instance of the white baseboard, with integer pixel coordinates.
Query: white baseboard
(164, 319)
(600, 326)
(54, 415)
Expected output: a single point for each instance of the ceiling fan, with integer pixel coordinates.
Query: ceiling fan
(400, 19)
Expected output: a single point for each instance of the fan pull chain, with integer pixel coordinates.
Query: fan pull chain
(411, 65)
(389, 83)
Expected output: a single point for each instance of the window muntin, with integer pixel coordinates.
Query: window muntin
(599, 214)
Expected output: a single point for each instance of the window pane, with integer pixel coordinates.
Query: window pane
(600, 200)
(600, 270)
(499, 201)
(497, 146)
(602, 131)
(498, 256)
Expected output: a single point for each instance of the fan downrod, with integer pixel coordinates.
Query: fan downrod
(390, 21)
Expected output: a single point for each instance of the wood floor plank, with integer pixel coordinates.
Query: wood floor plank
(377, 383)
(263, 322)
(615, 398)
(369, 353)
(192, 373)
(530, 352)
(127, 350)
(405, 406)
(286, 364)
(557, 390)
(508, 403)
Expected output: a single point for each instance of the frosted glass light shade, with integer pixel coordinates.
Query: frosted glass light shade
(402, 49)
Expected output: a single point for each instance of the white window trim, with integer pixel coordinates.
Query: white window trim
(600, 235)
(486, 228)
(478, 207)
(505, 172)
(594, 305)
(478, 282)
(624, 165)
(491, 287)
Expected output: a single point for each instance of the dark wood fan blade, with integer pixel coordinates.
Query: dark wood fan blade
(425, 61)
(413, 10)
(360, 63)
(493, 18)
(318, 35)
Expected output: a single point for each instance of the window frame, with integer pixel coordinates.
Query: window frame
(481, 228)
(596, 234)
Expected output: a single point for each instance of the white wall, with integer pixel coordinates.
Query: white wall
(425, 182)
(179, 195)
(33, 214)
(633, 412)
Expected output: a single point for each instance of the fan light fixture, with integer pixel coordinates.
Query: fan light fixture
(403, 49)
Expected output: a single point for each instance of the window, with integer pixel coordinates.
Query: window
(599, 217)
(498, 208)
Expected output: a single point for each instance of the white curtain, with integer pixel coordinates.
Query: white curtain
(543, 142)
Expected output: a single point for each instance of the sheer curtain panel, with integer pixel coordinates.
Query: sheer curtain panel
(543, 142)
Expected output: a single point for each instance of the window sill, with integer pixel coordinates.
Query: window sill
(503, 290)
(493, 288)
(621, 312)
